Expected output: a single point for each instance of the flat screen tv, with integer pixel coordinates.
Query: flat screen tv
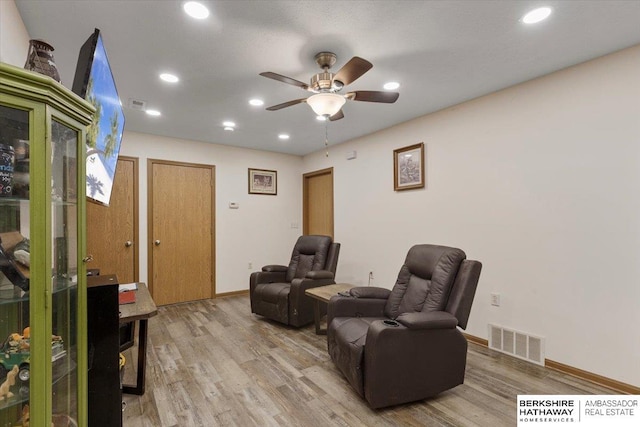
(94, 82)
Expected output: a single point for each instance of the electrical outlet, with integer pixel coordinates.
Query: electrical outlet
(495, 299)
(250, 266)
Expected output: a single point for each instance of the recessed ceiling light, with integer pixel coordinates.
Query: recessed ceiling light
(229, 124)
(256, 102)
(170, 78)
(321, 118)
(391, 85)
(283, 136)
(196, 10)
(153, 112)
(229, 128)
(536, 15)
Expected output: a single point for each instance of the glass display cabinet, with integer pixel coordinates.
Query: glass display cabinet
(43, 358)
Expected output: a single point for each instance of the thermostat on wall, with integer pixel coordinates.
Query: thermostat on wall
(233, 205)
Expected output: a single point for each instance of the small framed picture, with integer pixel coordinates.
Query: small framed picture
(408, 167)
(263, 181)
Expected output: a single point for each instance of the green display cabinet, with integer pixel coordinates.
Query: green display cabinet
(43, 328)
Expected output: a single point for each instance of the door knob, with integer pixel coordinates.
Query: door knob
(128, 243)
(157, 243)
(88, 258)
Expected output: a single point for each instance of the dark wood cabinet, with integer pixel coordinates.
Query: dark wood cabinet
(104, 387)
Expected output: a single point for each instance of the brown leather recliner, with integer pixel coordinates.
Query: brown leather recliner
(277, 292)
(404, 345)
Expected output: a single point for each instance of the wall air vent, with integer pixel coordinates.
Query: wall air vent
(518, 344)
(136, 104)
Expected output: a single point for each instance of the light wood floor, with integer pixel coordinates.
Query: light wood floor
(213, 363)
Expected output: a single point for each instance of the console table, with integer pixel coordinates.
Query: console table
(141, 310)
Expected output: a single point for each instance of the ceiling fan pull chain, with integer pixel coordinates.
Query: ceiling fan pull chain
(326, 136)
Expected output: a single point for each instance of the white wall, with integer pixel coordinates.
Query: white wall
(14, 39)
(541, 183)
(258, 232)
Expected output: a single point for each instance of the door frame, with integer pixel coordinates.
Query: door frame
(136, 214)
(305, 198)
(150, 163)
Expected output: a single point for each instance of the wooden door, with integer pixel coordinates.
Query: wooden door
(181, 231)
(318, 202)
(112, 232)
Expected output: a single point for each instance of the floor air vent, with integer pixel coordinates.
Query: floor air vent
(518, 344)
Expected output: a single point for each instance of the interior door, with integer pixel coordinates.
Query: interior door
(317, 188)
(181, 231)
(112, 232)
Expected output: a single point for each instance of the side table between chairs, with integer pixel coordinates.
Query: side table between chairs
(322, 295)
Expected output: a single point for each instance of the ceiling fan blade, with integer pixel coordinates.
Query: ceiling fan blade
(286, 104)
(373, 96)
(337, 116)
(285, 79)
(352, 70)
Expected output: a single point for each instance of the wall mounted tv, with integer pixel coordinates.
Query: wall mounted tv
(94, 82)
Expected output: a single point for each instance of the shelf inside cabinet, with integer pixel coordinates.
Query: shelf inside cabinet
(62, 367)
(10, 294)
(12, 201)
(14, 295)
(16, 201)
(14, 400)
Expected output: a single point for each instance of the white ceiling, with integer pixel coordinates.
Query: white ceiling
(442, 53)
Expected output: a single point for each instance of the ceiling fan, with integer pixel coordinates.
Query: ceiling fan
(325, 85)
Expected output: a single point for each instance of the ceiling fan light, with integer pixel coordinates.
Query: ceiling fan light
(326, 104)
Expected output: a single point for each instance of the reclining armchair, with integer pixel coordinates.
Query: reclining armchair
(277, 292)
(401, 345)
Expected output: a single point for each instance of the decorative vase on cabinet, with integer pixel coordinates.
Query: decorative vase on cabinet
(43, 358)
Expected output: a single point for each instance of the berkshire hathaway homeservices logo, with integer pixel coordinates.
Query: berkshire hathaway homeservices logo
(580, 410)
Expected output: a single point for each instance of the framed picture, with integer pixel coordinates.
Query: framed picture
(263, 181)
(408, 167)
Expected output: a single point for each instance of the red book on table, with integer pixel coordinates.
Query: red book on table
(127, 297)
